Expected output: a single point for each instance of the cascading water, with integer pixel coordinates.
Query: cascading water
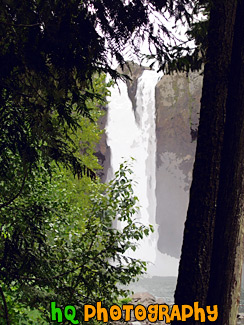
(132, 134)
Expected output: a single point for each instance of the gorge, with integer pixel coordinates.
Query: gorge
(154, 119)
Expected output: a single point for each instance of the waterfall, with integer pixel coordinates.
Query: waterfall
(132, 134)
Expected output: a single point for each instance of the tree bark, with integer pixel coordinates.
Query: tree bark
(5, 307)
(226, 263)
(194, 269)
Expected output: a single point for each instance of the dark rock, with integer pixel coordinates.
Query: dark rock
(103, 152)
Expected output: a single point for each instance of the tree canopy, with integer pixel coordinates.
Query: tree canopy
(49, 53)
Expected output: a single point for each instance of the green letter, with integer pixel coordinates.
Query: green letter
(70, 316)
(54, 311)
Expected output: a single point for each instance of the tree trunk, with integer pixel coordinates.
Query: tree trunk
(226, 264)
(194, 269)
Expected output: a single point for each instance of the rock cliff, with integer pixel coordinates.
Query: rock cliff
(177, 115)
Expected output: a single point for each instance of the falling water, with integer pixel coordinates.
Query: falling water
(132, 134)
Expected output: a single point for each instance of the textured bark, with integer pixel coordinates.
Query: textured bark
(224, 285)
(5, 307)
(194, 269)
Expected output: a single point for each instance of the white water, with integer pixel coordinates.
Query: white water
(133, 135)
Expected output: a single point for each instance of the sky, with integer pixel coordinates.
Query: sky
(179, 31)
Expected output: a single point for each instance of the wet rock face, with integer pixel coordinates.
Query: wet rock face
(177, 114)
(134, 71)
(103, 152)
(177, 107)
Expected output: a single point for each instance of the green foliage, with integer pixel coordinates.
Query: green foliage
(21, 149)
(183, 59)
(55, 248)
(124, 301)
(49, 53)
